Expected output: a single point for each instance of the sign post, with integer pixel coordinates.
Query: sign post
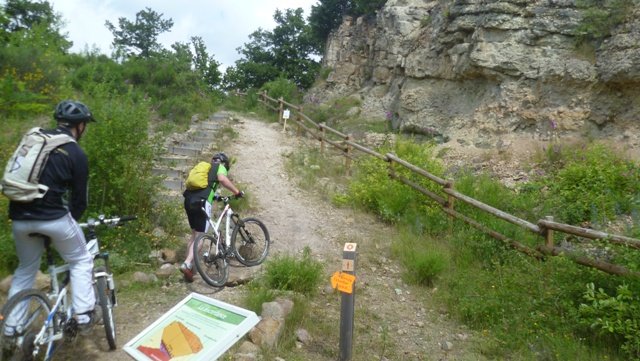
(286, 114)
(344, 282)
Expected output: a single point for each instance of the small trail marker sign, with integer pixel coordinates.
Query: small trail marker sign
(343, 282)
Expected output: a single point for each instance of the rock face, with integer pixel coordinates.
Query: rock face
(481, 72)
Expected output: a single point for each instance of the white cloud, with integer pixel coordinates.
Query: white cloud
(224, 25)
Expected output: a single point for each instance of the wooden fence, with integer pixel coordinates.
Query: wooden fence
(544, 228)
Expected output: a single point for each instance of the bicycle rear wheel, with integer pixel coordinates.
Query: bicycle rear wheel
(21, 318)
(213, 268)
(250, 241)
(104, 296)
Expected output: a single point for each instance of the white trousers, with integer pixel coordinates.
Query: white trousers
(68, 239)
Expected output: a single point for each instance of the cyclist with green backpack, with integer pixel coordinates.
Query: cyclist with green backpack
(201, 186)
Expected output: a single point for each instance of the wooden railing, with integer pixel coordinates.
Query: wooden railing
(544, 228)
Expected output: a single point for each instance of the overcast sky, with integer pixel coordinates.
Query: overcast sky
(224, 25)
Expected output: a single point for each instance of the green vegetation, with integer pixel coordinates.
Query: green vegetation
(326, 16)
(296, 278)
(283, 275)
(283, 88)
(552, 309)
(287, 52)
(131, 98)
(373, 190)
(616, 316)
(289, 273)
(138, 94)
(600, 17)
(591, 183)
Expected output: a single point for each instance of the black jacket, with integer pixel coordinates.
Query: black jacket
(66, 174)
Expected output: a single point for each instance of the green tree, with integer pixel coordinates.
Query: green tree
(139, 37)
(287, 51)
(327, 16)
(25, 14)
(366, 7)
(292, 47)
(31, 50)
(23, 17)
(206, 65)
(4, 24)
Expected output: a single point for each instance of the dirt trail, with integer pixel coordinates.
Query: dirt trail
(393, 321)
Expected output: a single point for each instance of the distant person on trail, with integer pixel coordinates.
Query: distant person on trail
(196, 199)
(55, 215)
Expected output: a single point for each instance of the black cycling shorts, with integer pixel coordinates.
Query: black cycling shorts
(196, 216)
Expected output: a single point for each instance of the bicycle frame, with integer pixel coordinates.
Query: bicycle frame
(37, 327)
(59, 293)
(225, 215)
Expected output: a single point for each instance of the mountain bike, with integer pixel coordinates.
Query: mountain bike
(246, 240)
(33, 322)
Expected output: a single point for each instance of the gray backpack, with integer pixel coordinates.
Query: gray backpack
(20, 182)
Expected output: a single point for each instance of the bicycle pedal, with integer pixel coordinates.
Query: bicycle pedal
(70, 329)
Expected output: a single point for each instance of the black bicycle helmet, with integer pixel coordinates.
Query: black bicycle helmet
(222, 158)
(73, 112)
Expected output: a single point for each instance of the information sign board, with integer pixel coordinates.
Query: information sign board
(198, 328)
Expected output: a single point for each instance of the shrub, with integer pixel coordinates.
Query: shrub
(600, 18)
(8, 258)
(332, 113)
(617, 316)
(257, 295)
(292, 274)
(283, 88)
(595, 184)
(422, 259)
(374, 190)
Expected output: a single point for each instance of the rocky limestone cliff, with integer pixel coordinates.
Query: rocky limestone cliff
(488, 73)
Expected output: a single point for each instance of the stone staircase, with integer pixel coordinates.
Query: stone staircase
(184, 150)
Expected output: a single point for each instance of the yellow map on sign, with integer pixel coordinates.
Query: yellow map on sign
(343, 282)
(176, 342)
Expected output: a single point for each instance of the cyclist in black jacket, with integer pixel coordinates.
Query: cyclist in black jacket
(56, 215)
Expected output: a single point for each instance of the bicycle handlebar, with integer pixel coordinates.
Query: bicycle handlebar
(227, 199)
(115, 221)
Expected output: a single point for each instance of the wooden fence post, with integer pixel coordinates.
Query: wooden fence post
(347, 156)
(281, 112)
(299, 121)
(450, 205)
(392, 171)
(548, 233)
(323, 134)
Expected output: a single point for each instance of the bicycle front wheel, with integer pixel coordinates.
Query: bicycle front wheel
(212, 267)
(21, 319)
(104, 296)
(250, 241)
